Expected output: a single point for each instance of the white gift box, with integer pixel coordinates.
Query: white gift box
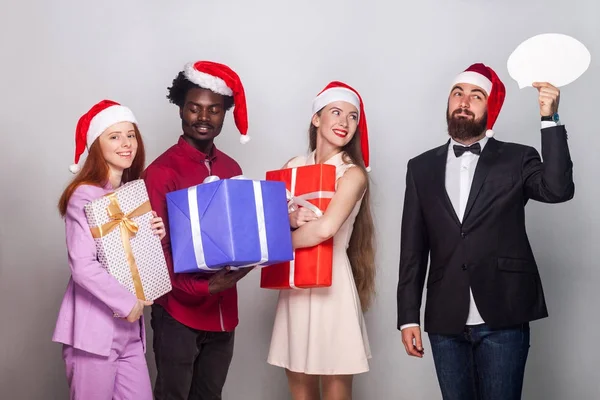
(126, 245)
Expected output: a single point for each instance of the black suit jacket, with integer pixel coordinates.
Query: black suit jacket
(489, 252)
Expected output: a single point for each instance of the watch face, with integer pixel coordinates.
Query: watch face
(555, 117)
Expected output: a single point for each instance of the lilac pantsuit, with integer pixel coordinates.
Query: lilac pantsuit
(103, 352)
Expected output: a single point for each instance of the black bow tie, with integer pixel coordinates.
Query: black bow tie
(475, 148)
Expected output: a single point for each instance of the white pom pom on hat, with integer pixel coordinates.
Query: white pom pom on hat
(74, 168)
(245, 139)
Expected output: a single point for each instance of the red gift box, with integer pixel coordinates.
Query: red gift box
(310, 186)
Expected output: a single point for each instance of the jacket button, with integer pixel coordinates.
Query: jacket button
(464, 267)
(463, 235)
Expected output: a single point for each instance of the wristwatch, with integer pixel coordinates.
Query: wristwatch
(552, 118)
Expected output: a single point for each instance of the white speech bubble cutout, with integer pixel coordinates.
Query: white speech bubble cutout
(550, 57)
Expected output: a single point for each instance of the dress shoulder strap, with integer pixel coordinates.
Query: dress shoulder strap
(298, 161)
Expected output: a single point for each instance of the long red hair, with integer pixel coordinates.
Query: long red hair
(95, 171)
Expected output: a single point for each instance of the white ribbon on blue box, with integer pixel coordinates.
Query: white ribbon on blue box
(234, 222)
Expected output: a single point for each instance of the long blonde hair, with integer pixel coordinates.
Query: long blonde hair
(361, 250)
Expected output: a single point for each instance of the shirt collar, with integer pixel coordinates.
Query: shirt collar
(482, 142)
(195, 154)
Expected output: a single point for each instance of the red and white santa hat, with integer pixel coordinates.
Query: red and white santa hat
(223, 80)
(339, 91)
(483, 76)
(91, 125)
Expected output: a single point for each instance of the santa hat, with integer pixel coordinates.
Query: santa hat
(91, 125)
(339, 91)
(485, 77)
(223, 80)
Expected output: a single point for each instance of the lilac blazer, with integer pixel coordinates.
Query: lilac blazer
(86, 318)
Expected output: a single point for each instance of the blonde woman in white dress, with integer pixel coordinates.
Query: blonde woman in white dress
(319, 335)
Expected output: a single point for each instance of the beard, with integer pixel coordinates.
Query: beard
(462, 129)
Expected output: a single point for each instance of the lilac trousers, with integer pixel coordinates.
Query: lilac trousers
(123, 375)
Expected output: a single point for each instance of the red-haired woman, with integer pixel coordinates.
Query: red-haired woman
(100, 323)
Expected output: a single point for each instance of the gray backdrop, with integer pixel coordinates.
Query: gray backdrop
(60, 57)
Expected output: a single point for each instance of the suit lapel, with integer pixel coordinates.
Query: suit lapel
(487, 158)
(439, 180)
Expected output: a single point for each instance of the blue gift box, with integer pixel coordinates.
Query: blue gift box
(229, 222)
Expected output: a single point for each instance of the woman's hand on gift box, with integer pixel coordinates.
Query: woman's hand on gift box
(225, 279)
(301, 216)
(158, 226)
(138, 310)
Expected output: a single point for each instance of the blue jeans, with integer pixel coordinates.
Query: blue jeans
(481, 363)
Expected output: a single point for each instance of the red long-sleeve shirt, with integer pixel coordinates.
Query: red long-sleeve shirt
(190, 303)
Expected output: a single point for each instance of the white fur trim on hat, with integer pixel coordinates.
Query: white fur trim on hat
(489, 133)
(474, 78)
(206, 81)
(335, 94)
(106, 118)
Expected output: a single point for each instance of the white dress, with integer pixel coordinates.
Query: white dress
(322, 331)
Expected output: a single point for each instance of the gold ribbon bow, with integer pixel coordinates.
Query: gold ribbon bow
(128, 229)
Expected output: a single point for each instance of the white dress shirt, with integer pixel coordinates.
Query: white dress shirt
(459, 177)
